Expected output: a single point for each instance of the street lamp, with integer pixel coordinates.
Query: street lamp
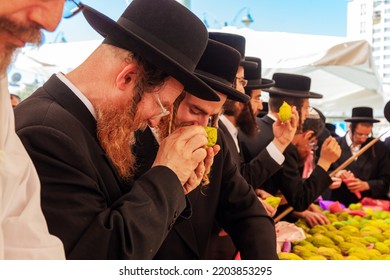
(246, 19)
(209, 20)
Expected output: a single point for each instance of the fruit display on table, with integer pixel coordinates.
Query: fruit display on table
(355, 233)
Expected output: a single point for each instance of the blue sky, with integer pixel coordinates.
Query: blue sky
(321, 17)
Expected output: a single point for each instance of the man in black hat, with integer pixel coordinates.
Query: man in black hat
(254, 89)
(238, 118)
(306, 144)
(224, 194)
(255, 84)
(369, 174)
(236, 115)
(295, 90)
(78, 129)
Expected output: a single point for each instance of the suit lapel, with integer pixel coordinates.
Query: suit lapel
(230, 143)
(67, 99)
(70, 102)
(362, 159)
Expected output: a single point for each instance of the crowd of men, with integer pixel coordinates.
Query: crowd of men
(110, 160)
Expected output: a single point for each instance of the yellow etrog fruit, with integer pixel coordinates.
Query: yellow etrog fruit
(211, 136)
(285, 112)
(273, 201)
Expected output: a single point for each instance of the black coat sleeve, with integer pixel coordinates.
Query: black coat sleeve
(92, 215)
(241, 214)
(300, 193)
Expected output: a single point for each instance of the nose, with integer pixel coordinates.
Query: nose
(47, 14)
(203, 120)
(260, 106)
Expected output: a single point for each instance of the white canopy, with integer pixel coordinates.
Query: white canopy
(342, 70)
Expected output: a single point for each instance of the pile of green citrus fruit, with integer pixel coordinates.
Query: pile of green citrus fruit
(348, 236)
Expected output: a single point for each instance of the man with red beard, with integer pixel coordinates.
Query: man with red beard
(78, 128)
(23, 231)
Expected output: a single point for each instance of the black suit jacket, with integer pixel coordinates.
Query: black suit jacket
(259, 168)
(299, 193)
(372, 166)
(228, 199)
(86, 204)
(288, 180)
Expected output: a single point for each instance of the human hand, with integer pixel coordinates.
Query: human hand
(271, 211)
(200, 174)
(312, 218)
(345, 174)
(183, 152)
(356, 185)
(284, 131)
(209, 160)
(336, 183)
(262, 195)
(330, 152)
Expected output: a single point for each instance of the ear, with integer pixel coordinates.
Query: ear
(126, 76)
(309, 134)
(239, 105)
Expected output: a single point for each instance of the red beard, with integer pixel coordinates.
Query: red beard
(115, 128)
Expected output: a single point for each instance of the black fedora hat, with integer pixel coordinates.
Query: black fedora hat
(253, 75)
(236, 42)
(332, 129)
(386, 111)
(292, 85)
(218, 68)
(165, 33)
(362, 114)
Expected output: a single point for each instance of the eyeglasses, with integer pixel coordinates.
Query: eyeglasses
(164, 111)
(242, 81)
(71, 8)
(361, 135)
(313, 145)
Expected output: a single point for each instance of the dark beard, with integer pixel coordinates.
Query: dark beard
(28, 33)
(246, 121)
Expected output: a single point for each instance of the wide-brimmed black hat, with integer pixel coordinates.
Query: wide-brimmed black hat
(291, 85)
(218, 68)
(386, 111)
(236, 42)
(253, 75)
(163, 32)
(332, 129)
(362, 114)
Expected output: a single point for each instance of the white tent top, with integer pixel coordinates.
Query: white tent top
(342, 70)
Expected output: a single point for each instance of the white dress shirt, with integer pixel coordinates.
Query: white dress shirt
(23, 229)
(354, 148)
(232, 130)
